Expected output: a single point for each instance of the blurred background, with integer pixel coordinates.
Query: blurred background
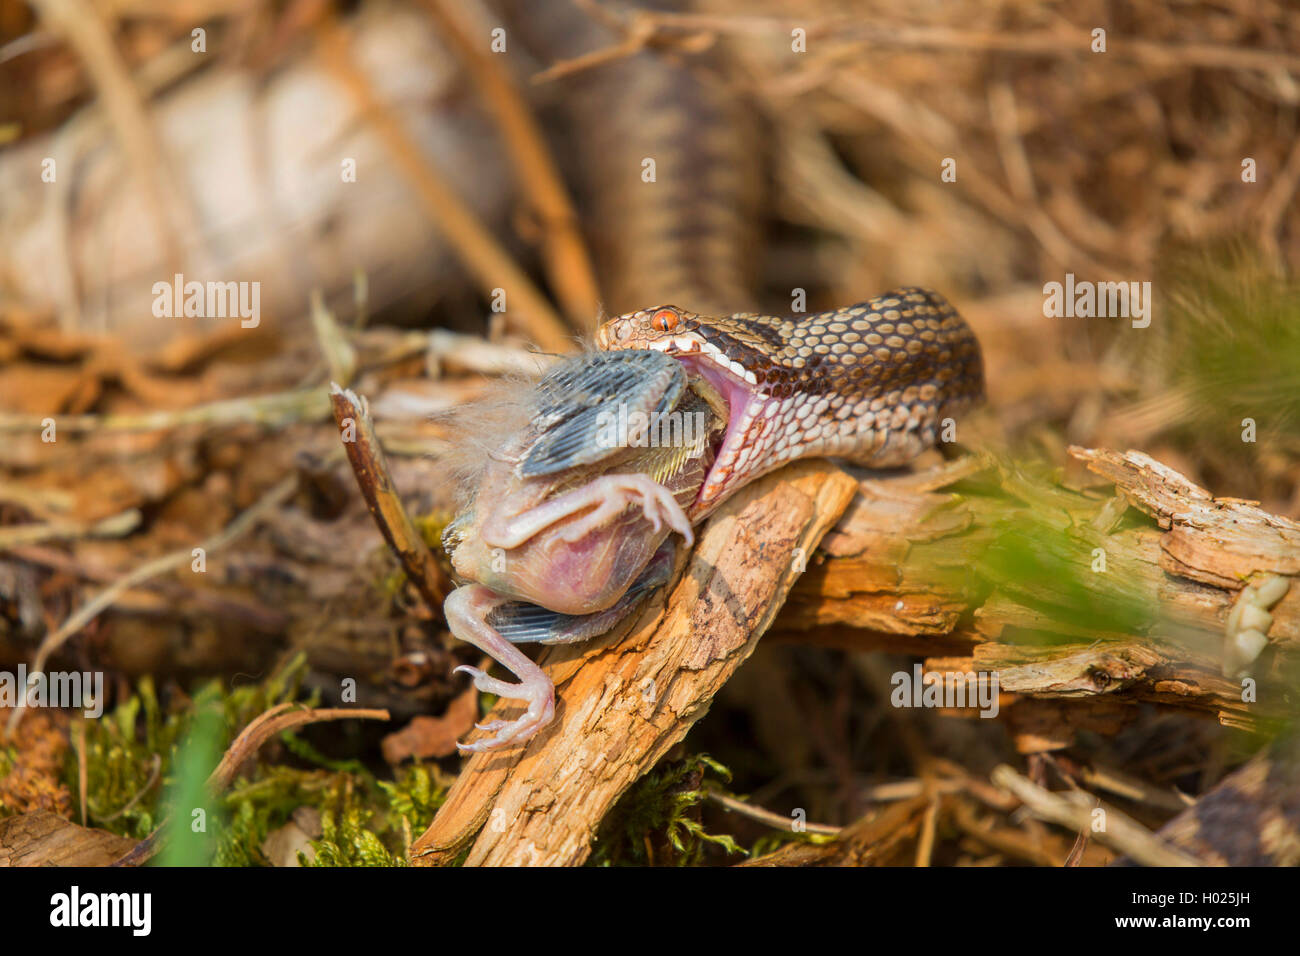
(429, 196)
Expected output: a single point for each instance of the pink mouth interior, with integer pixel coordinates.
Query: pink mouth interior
(736, 393)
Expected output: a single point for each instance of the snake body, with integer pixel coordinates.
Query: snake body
(667, 160)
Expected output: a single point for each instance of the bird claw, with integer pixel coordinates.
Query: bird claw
(488, 685)
(513, 731)
(540, 696)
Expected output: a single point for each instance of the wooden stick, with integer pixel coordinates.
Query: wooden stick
(568, 264)
(1120, 832)
(376, 484)
(471, 240)
(260, 729)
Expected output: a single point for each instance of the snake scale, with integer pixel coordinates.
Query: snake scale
(869, 382)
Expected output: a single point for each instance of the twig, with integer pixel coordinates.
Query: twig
(1051, 43)
(155, 772)
(925, 845)
(777, 821)
(161, 565)
(1120, 833)
(339, 354)
(1011, 842)
(471, 240)
(446, 350)
(373, 478)
(932, 139)
(81, 25)
(568, 263)
(269, 411)
(82, 771)
(869, 841)
(630, 46)
(114, 526)
(1132, 788)
(266, 725)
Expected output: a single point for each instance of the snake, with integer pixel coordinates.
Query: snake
(870, 382)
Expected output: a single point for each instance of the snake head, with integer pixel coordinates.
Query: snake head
(642, 329)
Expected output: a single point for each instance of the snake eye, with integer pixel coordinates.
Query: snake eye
(665, 320)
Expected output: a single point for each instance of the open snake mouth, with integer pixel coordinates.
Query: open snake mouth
(732, 392)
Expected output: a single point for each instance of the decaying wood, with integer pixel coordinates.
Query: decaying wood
(908, 559)
(624, 701)
(42, 838)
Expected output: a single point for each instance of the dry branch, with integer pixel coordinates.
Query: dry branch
(1119, 831)
(376, 484)
(622, 703)
(899, 566)
(868, 842)
(258, 731)
(568, 263)
(472, 241)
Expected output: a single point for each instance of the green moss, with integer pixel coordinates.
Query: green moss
(654, 822)
(430, 527)
(131, 753)
(373, 824)
(143, 760)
